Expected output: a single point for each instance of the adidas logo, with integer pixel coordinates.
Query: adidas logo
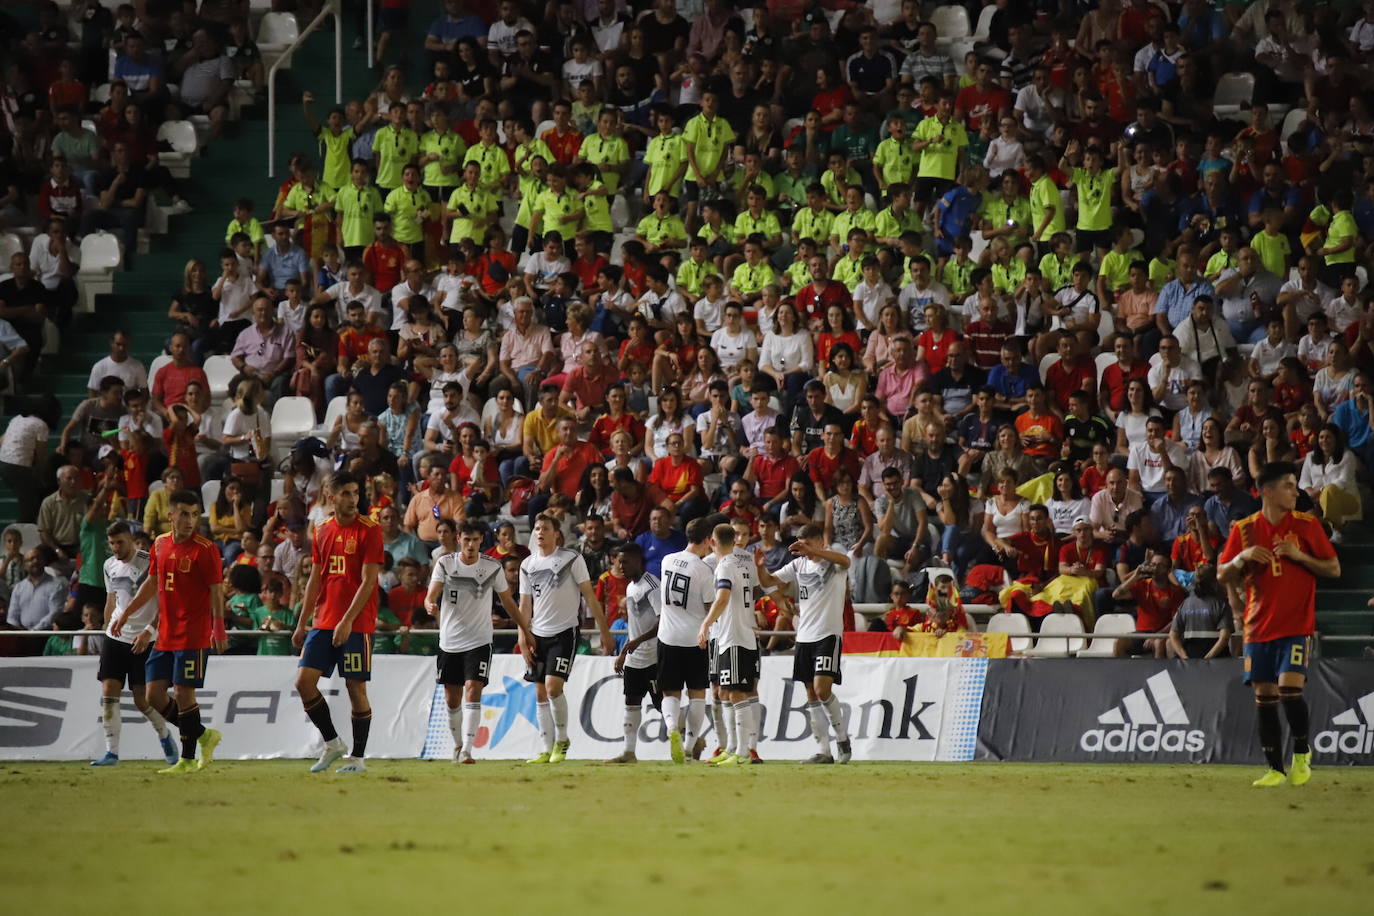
(1147, 720)
(1355, 734)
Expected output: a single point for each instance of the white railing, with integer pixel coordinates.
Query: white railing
(331, 8)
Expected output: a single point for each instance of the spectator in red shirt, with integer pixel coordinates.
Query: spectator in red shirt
(983, 100)
(1075, 371)
(987, 334)
(616, 417)
(170, 385)
(563, 466)
(678, 479)
(770, 472)
(610, 589)
(586, 388)
(742, 505)
(588, 262)
(563, 138)
(1118, 375)
(932, 346)
(385, 257)
(1037, 550)
(902, 616)
(1157, 598)
(1197, 545)
(406, 601)
(1040, 430)
(630, 505)
(823, 464)
(815, 298)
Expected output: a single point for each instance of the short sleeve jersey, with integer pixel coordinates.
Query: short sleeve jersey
(709, 139)
(686, 590)
(184, 572)
(339, 553)
(941, 158)
(641, 610)
(664, 156)
(553, 582)
(1280, 597)
(599, 151)
(449, 147)
(336, 161)
(1094, 198)
(357, 207)
(736, 574)
(820, 587)
(465, 602)
(123, 578)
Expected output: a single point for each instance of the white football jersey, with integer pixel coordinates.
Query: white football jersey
(711, 561)
(641, 612)
(736, 624)
(552, 582)
(687, 588)
(465, 601)
(123, 579)
(819, 587)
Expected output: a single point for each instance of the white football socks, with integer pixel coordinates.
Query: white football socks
(455, 724)
(155, 719)
(472, 718)
(836, 714)
(633, 716)
(696, 719)
(560, 716)
(820, 726)
(671, 707)
(111, 722)
(545, 715)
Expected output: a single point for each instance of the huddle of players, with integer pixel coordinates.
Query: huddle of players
(691, 628)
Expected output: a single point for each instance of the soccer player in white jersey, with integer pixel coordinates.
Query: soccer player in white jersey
(552, 579)
(686, 590)
(637, 662)
(465, 581)
(120, 659)
(723, 709)
(818, 574)
(737, 585)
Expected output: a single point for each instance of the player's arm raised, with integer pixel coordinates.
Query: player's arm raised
(344, 628)
(599, 615)
(308, 601)
(811, 552)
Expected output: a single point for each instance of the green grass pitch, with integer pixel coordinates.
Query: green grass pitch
(267, 837)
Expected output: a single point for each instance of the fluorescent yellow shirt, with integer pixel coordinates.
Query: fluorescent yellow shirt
(1273, 250)
(304, 199)
(493, 162)
(1116, 267)
(598, 207)
(1056, 271)
(888, 225)
(555, 209)
(1006, 277)
(252, 227)
(1045, 194)
(655, 229)
(709, 140)
(600, 151)
(337, 162)
(691, 274)
(941, 159)
(750, 278)
(766, 224)
(482, 206)
(846, 220)
(896, 160)
(408, 211)
(955, 276)
(394, 149)
(849, 271)
(664, 156)
(999, 213)
(832, 187)
(356, 208)
(450, 147)
(808, 224)
(1341, 229)
(1094, 198)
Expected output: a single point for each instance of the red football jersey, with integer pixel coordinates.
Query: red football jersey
(339, 554)
(1280, 598)
(184, 572)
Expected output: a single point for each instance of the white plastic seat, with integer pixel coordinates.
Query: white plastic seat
(332, 411)
(1049, 359)
(984, 26)
(1106, 326)
(277, 32)
(490, 408)
(180, 135)
(1103, 360)
(220, 371)
(1053, 625)
(275, 489)
(155, 485)
(886, 12)
(292, 418)
(1015, 625)
(28, 534)
(1107, 623)
(209, 492)
(10, 245)
(1233, 90)
(1291, 122)
(101, 94)
(951, 23)
(101, 255)
(159, 361)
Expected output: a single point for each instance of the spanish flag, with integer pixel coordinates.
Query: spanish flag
(964, 644)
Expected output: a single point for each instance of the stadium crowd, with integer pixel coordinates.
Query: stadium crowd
(1036, 312)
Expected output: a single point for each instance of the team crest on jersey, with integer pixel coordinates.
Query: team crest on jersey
(351, 546)
(185, 563)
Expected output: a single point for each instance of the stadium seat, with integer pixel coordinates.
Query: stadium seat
(10, 245)
(1107, 623)
(1046, 647)
(984, 26)
(101, 256)
(1014, 625)
(1049, 359)
(220, 371)
(333, 411)
(1103, 360)
(1291, 122)
(156, 485)
(28, 534)
(277, 32)
(1106, 325)
(101, 94)
(951, 23)
(1233, 90)
(209, 492)
(886, 12)
(489, 409)
(275, 489)
(292, 418)
(158, 362)
(181, 137)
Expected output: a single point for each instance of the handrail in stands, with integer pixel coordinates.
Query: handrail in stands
(331, 8)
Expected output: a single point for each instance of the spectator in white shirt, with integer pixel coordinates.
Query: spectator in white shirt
(1148, 461)
(1005, 152)
(119, 364)
(1168, 379)
(23, 450)
(54, 258)
(1203, 337)
(1345, 309)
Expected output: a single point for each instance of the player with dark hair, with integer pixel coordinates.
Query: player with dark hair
(737, 586)
(341, 597)
(637, 662)
(466, 581)
(124, 571)
(820, 575)
(184, 572)
(686, 591)
(552, 578)
(1276, 554)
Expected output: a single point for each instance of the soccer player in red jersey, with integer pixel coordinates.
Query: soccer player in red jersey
(1277, 553)
(341, 596)
(185, 572)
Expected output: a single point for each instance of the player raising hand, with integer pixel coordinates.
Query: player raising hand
(341, 597)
